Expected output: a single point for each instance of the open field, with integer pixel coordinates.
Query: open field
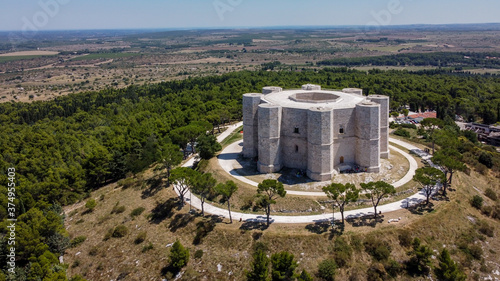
(29, 53)
(90, 62)
(104, 56)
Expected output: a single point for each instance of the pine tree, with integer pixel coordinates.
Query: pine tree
(420, 260)
(268, 190)
(179, 256)
(304, 276)
(283, 266)
(260, 267)
(448, 269)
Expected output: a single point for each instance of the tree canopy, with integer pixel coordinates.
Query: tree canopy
(269, 190)
(226, 190)
(375, 191)
(342, 194)
(429, 177)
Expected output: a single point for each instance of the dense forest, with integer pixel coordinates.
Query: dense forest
(65, 148)
(438, 59)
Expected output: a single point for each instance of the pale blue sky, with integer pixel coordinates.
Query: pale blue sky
(131, 14)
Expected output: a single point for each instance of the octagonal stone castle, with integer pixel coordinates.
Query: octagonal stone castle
(321, 132)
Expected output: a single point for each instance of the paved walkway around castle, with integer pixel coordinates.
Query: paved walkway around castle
(225, 155)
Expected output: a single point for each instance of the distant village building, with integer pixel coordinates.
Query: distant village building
(487, 133)
(314, 130)
(418, 117)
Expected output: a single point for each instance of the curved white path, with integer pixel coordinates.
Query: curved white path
(196, 203)
(227, 160)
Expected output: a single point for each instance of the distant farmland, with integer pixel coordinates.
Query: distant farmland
(25, 55)
(105, 56)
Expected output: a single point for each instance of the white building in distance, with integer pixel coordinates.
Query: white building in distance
(321, 132)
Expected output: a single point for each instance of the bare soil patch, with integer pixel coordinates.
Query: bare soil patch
(29, 53)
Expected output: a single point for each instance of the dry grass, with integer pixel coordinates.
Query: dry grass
(230, 245)
(246, 194)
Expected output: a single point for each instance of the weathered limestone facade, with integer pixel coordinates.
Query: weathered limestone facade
(315, 130)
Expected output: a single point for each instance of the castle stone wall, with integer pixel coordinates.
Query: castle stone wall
(318, 136)
(320, 143)
(294, 138)
(271, 89)
(250, 124)
(269, 138)
(384, 123)
(368, 133)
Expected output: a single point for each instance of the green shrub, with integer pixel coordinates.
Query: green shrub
(476, 251)
(487, 210)
(259, 266)
(382, 252)
(77, 278)
(108, 234)
(477, 202)
(283, 266)
(147, 247)
(94, 251)
(480, 168)
(304, 276)
(486, 159)
(356, 242)
(447, 269)
(198, 254)
(126, 183)
(486, 229)
(90, 205)
(203, 228)
(393, 268)
(137, 212)
(376, 272)
(342, 252)
(179, 256)
(402, 133)
(77, 241)
(405, 238)
(378, 249)
(491, 194)
(140, 237)
(496, 212)
(420, 259)
(118, 209)
(327, 269)
(260, 246)
(120, 231)
(408, 126)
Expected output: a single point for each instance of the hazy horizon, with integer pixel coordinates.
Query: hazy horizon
(60, 15)
(255, 27)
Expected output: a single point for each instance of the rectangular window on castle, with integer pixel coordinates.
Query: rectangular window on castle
(296, 130)
(341, 130)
